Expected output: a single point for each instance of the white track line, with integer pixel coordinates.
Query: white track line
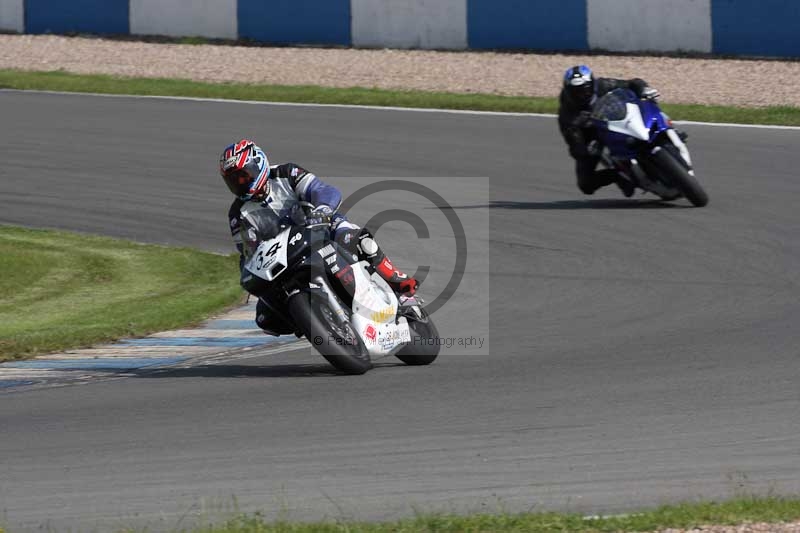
(289, 104)
(732, 125)
(378, 108)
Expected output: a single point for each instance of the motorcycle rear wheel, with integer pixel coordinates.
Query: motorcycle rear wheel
(681, 178)
(334, 339)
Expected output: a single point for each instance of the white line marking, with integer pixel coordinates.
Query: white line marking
(377, 108)
(288, 104)
(732, 125)
(607, 516)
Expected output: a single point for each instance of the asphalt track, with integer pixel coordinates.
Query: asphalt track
(640, 353)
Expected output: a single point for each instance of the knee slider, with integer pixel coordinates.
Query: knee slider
(367, 245)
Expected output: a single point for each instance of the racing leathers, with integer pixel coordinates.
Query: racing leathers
(288, 183)
(578, 132)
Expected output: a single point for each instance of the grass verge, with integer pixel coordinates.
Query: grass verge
(63, 81)
(63, 290)
(686, 516)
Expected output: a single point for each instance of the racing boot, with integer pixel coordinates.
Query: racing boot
(397, 280)
(625, 186)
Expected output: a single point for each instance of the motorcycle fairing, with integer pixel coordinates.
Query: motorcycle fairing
(620, 116)
(375, 309)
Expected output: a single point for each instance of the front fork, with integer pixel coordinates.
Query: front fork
(341, 314)
(632, 170)
(628, 169)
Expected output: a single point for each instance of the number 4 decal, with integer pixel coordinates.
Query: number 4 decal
(273, 249)
(264, 257)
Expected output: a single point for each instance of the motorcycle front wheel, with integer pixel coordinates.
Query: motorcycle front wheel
(680, 177)
(424, 346)
(331, 336)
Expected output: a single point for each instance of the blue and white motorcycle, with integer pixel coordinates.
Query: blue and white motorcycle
(640, 143)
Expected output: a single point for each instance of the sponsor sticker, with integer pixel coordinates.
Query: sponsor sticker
(384, 315)
(326, 250)
(392, 338)
(371, 333)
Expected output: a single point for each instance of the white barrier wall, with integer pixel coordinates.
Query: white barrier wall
(177, 18)
(409, 23)
(12, 16)
(653, 25)
(732, 27)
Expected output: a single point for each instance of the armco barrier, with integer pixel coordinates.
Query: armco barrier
(66, 16)
(209, 18)
(655, 25)
(756, 27)
(295, 21)
(12, 16)
(731, 27)
(525, 24)
(410, 23)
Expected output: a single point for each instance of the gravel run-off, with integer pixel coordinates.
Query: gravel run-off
(745, 83)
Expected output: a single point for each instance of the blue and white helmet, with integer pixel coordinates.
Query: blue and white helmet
(579, 85)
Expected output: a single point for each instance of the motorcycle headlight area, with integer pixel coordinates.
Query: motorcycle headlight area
(250, 241)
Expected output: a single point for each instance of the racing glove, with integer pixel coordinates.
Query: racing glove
(583, 120)
(649, 93)
(320, 216)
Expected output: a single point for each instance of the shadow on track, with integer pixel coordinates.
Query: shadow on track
(249, 371)
(572, 204)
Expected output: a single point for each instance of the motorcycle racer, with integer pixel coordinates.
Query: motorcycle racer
(579, 92)
(246, 170)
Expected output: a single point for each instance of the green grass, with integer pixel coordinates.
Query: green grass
(62, 290)
(772, 510)
(63, 81)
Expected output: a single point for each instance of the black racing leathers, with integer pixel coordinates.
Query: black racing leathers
(578, 132)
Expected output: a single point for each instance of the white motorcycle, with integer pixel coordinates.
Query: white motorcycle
(319, 290)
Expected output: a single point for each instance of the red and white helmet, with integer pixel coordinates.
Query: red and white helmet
(245, 168)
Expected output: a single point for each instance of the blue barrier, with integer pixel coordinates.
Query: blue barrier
(756, 27)
(527, 24)
(738, 27)
(69, 16)
(295, 21)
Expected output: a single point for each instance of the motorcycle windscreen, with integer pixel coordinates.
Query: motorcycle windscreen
(613, 105)
(261, 222)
